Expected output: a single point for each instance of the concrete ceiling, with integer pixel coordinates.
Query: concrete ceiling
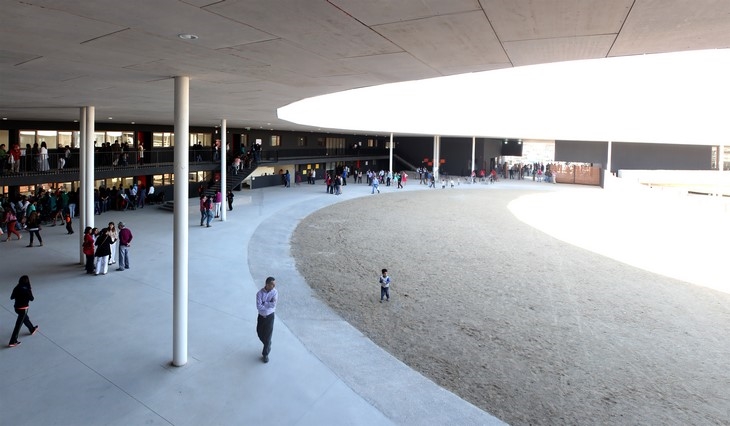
(253, 56)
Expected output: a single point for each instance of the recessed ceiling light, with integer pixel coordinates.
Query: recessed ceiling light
(188, 36)
(109, 118)
(5, 118)
(132, 122)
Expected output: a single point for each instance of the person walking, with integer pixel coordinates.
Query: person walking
(125, 241)
(34, 228)
(69, 224)
(103, 251)
(266, 299)
(208, 211)
(384, 281)
(23, 295)
(229, 198)
(375, 184)
(11, 221)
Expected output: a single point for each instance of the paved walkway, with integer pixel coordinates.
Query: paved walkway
(103, 352)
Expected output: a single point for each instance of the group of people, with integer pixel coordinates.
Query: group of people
(119, 153)
(210, 207)
(131, 198)
(100, 245)
(35, 158)
(32, 212)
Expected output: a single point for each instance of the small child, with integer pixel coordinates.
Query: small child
(69, 225)
(384, 281)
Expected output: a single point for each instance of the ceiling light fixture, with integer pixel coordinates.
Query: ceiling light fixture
(188, 36)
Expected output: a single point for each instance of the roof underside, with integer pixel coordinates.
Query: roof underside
(253, 56)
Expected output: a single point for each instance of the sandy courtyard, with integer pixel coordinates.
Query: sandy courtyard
(570, 307)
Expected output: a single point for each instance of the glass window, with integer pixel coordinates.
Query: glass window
(302, 141)
(128, 138)
(162, 139)
(5, 137)
(99, 138)
(69, 139)
(204, 139)
(275, 140)
(27, 137)
(50, 137)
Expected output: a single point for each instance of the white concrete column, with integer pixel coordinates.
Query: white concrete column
(436, 156)
(608, 158)
(82, 180)
(88, 166)
(180, 223)
(224, 170)
(390, 158)
(721, 158)
(473, 153)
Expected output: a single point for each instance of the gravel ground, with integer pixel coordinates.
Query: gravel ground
(540, 307)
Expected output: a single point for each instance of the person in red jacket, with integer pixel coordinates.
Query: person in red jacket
(88, 249)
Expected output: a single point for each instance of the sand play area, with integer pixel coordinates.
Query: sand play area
(552, 305)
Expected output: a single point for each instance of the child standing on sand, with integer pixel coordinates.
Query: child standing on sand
(384, 281)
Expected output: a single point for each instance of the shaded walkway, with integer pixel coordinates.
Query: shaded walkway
(105, 343)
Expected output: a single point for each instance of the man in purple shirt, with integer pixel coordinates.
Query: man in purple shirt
(125, 241)
(266, 299)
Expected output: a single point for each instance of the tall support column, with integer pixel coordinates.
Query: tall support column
(436, 156)
(608, 158)
(180, 224)
(87, 169)
(473, 153)
(82, 180)
(721, 158)
(390, 158)
(224, 170)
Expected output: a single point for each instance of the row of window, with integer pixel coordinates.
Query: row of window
(125, 182)
(60, 139)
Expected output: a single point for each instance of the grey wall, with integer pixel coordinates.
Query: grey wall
(456, 152)
(582, 152)
(647, 156)
(638, 156)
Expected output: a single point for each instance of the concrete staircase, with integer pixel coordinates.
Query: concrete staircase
(232, 181)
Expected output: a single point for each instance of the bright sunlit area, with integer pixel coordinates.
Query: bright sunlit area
(662, 98)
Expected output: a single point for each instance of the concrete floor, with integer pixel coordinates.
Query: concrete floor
(104, 349)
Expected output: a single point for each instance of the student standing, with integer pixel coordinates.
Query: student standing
(266, 299)
(103, 251)
(111, 231)
(88, 249)
(125, 242)
(384, 281)
(23, 295)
